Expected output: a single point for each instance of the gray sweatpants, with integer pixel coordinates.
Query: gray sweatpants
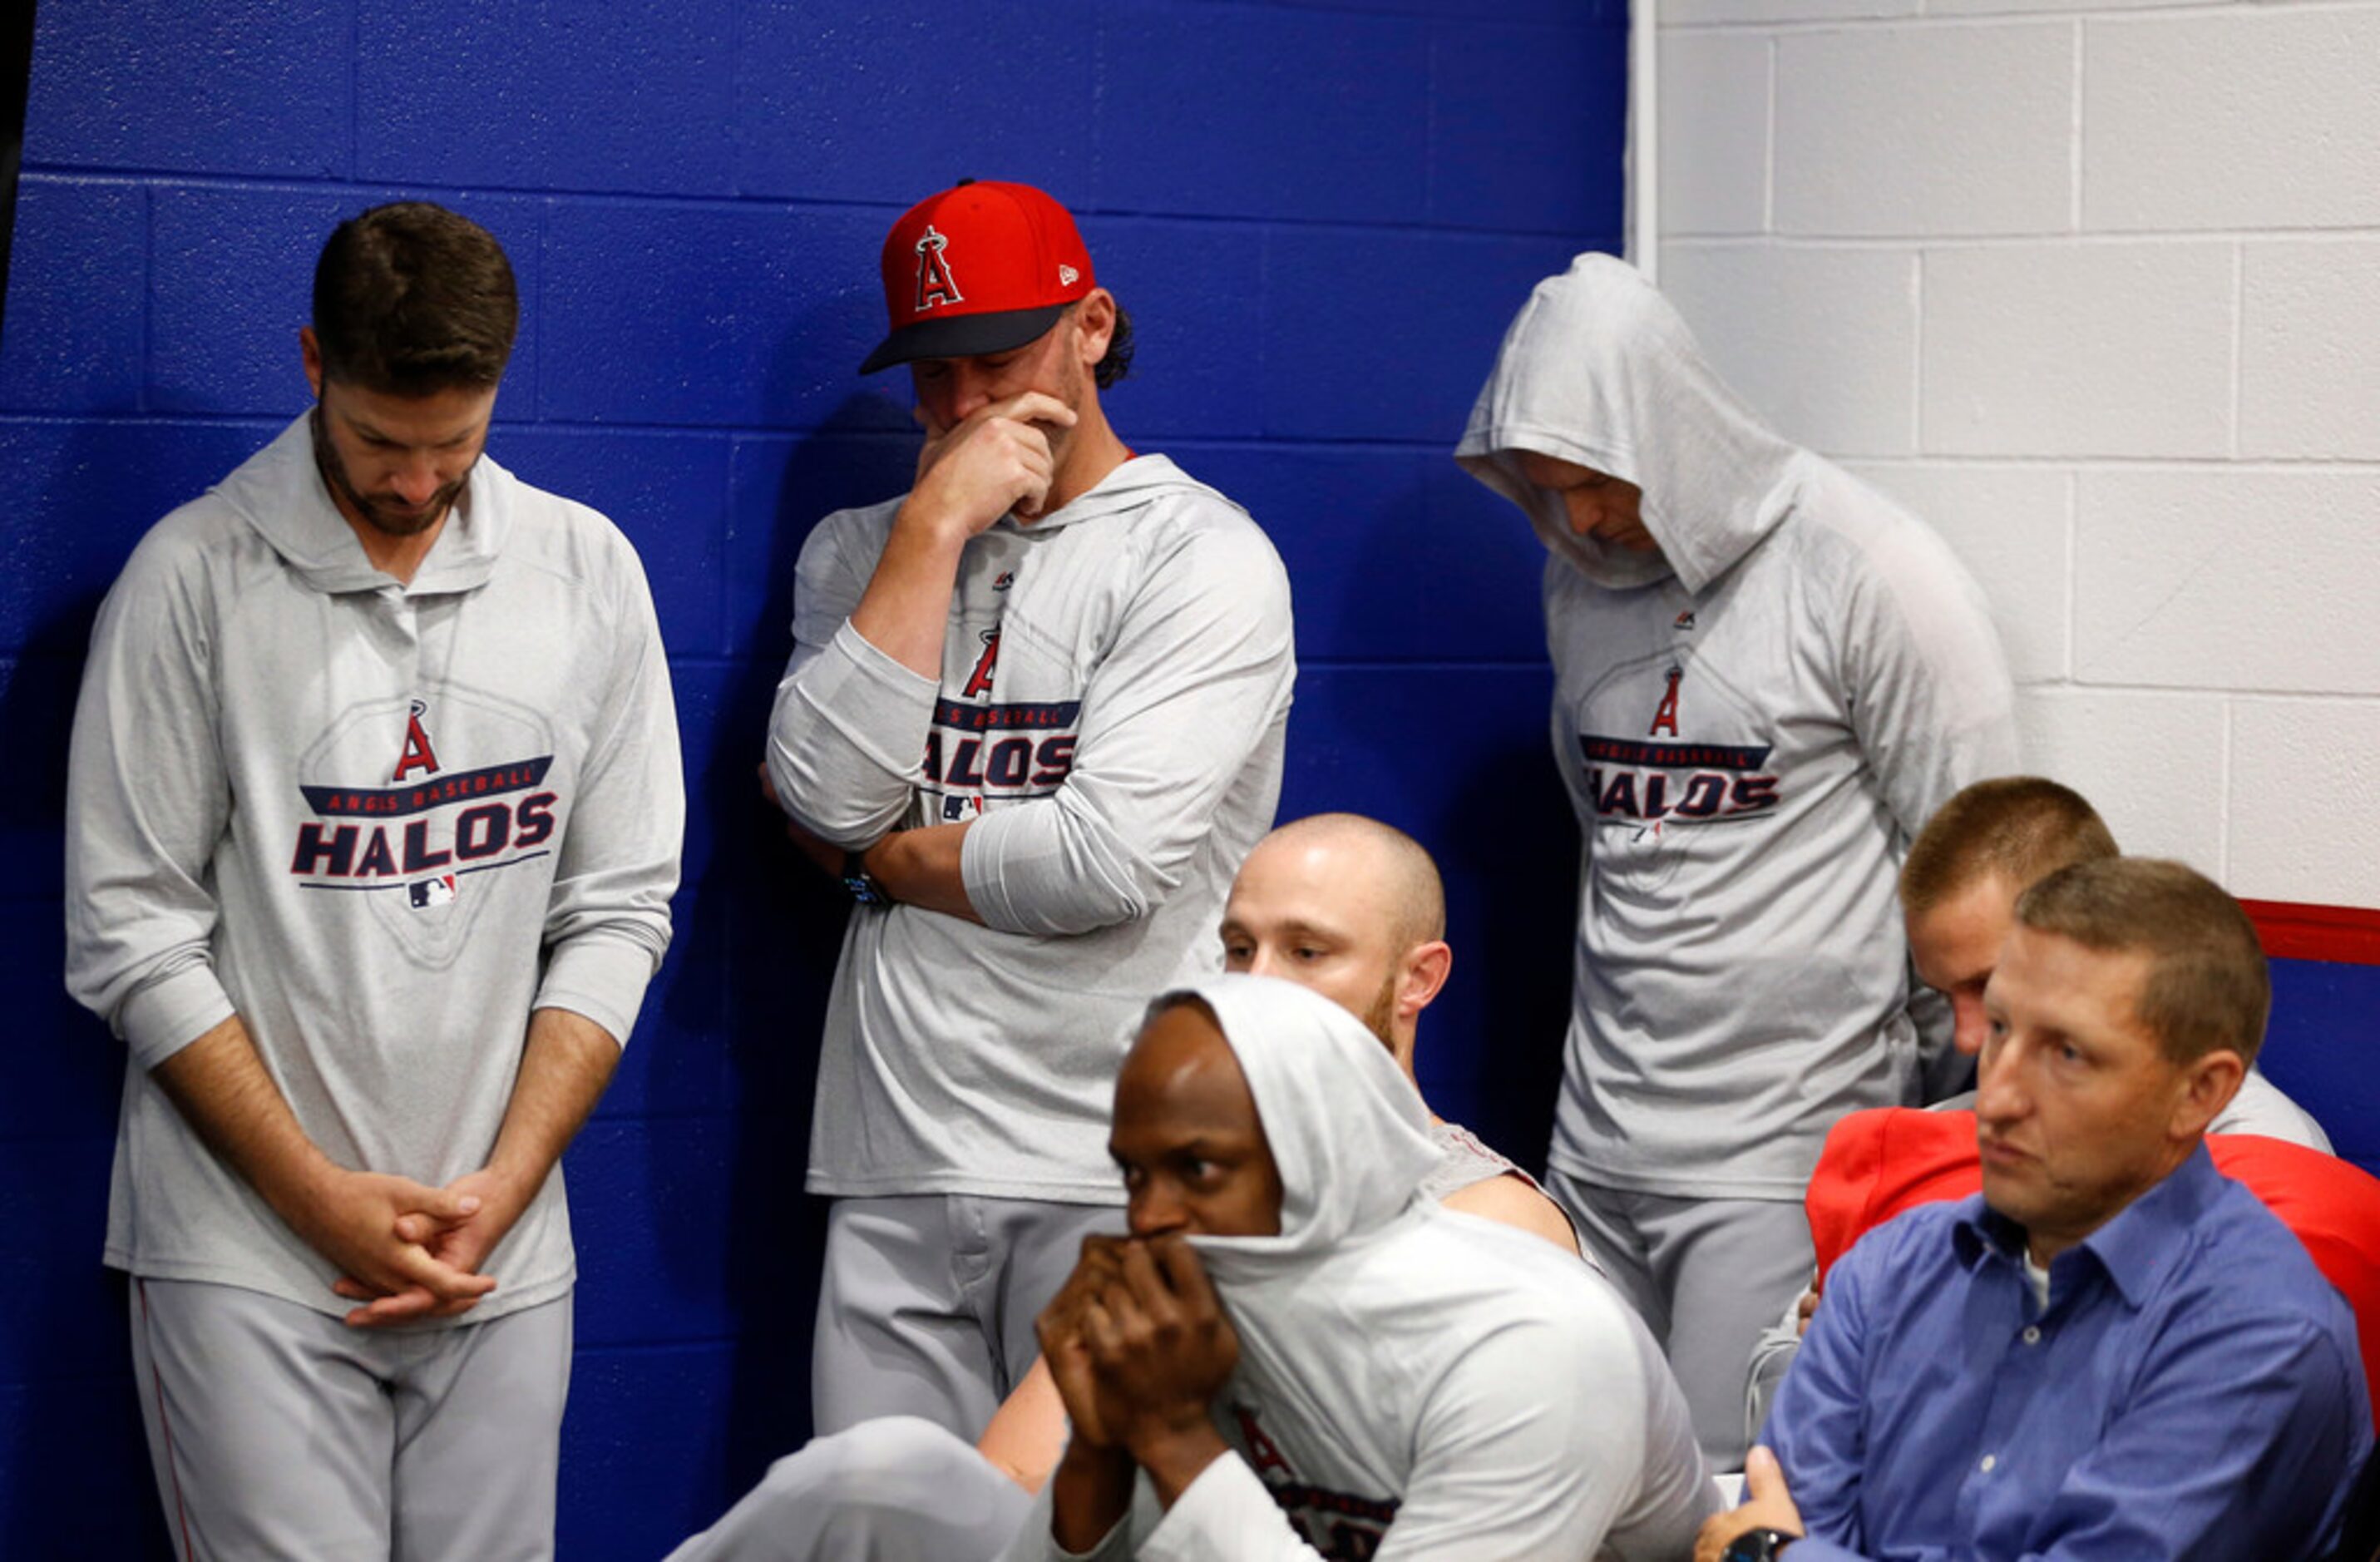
(277, 1431)
(892, 1490)
(1708, 1276)
(927, 1303)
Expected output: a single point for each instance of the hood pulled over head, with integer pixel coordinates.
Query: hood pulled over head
(1599, 369)
(1348, 1133)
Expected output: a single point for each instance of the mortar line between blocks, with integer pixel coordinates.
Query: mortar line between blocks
(2073, 554)
(1917, 351)
(2147, 15)
(2076, 128)
(2239, 335)
(2223, 794)
(1769, 148)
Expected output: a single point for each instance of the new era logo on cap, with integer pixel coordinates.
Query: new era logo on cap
(982, 267)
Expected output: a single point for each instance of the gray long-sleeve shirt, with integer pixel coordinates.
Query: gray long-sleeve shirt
(1751, 724)
(380, 823)
(1410, 1382)
(1113, 698)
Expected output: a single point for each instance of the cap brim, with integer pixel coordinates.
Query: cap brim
(964, 336)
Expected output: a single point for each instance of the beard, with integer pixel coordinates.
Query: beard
(390, 518)
(1380, 1016)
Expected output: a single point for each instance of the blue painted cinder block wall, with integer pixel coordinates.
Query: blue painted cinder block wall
(1320, 216)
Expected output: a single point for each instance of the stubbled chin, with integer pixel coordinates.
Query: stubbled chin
(407, 523)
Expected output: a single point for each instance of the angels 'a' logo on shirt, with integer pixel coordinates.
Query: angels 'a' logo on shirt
(1665, 719)
(980, 681)
(1340, 1525)
(419, 754)
(935, 284)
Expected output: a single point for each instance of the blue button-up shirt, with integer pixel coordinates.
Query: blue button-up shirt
(2192, 1389)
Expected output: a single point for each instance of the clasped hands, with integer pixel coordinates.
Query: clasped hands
(407, 1251)
(1139, 1347)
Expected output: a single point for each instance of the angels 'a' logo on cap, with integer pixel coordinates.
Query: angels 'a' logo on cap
(935, 284)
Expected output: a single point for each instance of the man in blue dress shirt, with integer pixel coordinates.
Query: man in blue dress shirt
(2113, 1351)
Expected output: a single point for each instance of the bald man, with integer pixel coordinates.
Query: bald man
(1344, 905)
(1354, 909)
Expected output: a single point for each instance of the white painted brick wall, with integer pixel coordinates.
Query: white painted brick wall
(1682, 12)
(1820, 340)
(2008, 525)
(2261, 117)
(2152, 764)
(2309, 349)
(2096, 287)
(1714, 122)
(2228, 577)
(2014, 7)
(2079, 350)
(2306, 798)
(1957, 129)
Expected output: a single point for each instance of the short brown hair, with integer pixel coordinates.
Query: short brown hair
(411, 299)
(2207, 984)
(1117, 363)
(2022, 827)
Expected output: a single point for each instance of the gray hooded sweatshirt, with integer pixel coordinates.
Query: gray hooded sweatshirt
(1424, 1383)
(1111, 715)
(379, 822)
(1751, 724)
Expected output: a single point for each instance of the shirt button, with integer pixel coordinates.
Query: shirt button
(1990, 1460)
(2031, 1335)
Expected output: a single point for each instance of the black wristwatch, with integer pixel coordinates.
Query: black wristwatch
(861, 882)
(1758, 1545)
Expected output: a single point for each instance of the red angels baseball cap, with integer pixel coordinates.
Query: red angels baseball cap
(982, 267)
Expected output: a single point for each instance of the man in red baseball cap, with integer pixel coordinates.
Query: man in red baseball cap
(978, 281)
(1033, 720)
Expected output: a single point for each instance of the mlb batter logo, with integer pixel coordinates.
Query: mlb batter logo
(426, 893)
